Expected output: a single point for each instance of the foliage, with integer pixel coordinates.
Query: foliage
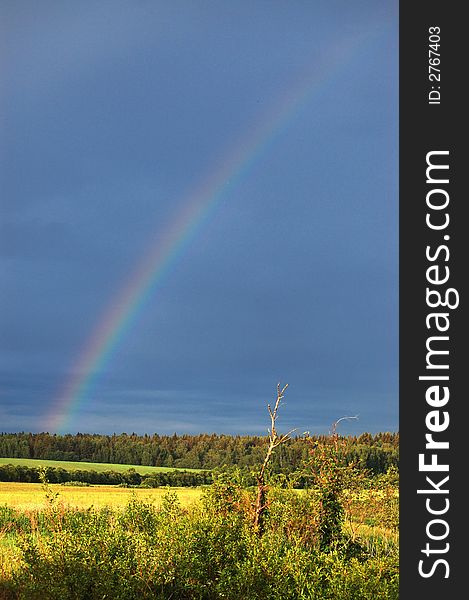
(332, 476)
(209, 551)
(382, 494)
(310, 545)
(176, 478)
(204, 451)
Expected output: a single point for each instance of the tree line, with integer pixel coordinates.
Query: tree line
(24, 474)
(376, 453)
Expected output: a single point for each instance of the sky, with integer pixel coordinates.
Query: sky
(198, 200)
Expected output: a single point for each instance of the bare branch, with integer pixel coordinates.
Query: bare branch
(274, 441)
(335, 423)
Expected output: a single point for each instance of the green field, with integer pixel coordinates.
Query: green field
(87, 466)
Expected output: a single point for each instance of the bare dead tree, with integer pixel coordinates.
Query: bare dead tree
(274, 440)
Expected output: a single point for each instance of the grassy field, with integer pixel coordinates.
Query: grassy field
(103, 541)
(71, 542)
(365, 518)
(30, 496)
(87, 466)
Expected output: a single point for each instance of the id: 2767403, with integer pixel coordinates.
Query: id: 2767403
(434, 74)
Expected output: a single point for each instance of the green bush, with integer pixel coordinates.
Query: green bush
(207, 552)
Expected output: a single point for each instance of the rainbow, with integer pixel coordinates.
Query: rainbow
(198, 207)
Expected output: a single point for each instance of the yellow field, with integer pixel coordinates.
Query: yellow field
(29, 496)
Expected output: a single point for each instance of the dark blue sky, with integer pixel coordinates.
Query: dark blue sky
(111, 113)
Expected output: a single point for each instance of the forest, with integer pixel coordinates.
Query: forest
(375, 453)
